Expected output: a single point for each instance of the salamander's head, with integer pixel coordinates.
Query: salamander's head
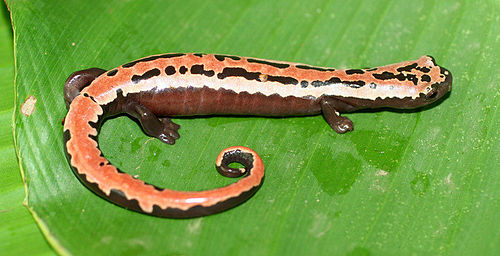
(438, 85)
(413, 84)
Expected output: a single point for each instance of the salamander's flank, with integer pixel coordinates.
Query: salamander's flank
(155, 88)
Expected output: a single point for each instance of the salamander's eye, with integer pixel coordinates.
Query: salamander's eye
(431, 95)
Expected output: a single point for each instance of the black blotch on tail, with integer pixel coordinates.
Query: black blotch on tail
(112, 72)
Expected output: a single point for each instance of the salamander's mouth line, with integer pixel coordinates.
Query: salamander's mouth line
(158, 87)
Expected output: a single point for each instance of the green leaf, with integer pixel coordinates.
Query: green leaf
(18, 232)
(423, 182)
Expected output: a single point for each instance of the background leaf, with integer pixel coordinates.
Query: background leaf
(402, 182)
(18, 232)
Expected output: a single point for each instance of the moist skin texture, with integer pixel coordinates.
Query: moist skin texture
(155, 88)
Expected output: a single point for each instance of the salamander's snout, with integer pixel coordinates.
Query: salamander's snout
(445, 86)
(440, 89)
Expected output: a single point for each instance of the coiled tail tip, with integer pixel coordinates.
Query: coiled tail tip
(238, 154)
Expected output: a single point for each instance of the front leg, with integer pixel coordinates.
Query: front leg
(329, 109)
(162, 128)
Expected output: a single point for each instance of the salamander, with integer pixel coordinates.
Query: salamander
(155, 88)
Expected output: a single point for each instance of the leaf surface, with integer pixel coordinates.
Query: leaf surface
(403, 182)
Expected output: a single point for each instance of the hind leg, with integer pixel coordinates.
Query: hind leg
(79, 80)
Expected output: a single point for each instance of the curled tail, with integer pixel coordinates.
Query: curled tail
(81, 128)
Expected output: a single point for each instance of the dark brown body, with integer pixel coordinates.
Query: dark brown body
(206, 101)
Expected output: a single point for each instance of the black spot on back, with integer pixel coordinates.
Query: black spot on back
(151, 73)
(241, 72)
(317, 83)
(354, 71)
(170, 70)
(354, 84)
(199, 70)
(220, 57)
(283, 79)
(401, 77)
(151, 58)
(304, 84)
(424, 69)
(238, 72)
(336, 80)
(273, 64)
(385, 75)
(410, 67)
(314, 68)
(407, 68)
(413, 78)
(183, 70)
(426, 78)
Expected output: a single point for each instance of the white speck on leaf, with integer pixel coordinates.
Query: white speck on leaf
(194, 227)
(320, 225)
(28, 106)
